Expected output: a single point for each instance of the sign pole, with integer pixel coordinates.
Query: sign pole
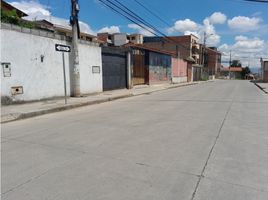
(64, 78)
(63, 48)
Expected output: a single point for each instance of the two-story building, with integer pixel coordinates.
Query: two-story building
(186, 46)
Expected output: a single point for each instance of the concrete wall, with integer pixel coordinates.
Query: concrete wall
(90, 56)
(119, 39)
(179, 70)
(38, 69)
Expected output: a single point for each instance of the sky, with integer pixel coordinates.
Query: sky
(234, 26)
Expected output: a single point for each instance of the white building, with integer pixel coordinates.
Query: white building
(33, 70)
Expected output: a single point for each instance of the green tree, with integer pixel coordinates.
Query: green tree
(236, 63)
(245, 71)
(10, 17)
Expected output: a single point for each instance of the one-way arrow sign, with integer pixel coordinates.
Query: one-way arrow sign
(64, 48)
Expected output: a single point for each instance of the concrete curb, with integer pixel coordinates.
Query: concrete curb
(263, 89)
(18, 116)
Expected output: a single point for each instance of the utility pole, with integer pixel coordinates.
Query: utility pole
(230, 63)
(75, 29)
(204, 47)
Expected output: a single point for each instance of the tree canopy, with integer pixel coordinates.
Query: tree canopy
(236, 63)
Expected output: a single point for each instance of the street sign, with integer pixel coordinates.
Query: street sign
(63, 48)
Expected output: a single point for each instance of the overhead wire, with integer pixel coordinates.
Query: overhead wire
(257, 1)
(153, 13)
(118, 7)
(141, 20)
(126, 16)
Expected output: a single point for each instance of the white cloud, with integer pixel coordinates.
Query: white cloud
(192, 33)
(188, 27)
(183, 26)
(247, 45)
(244, 24)
(111, 29)
(247, 50)
(31, 7)
(211, 36)
(240, 37)
(141, 30)
(37, 11)
(217, 18)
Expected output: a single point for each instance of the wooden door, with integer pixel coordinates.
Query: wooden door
(139, 73)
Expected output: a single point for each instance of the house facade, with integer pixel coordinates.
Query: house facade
(149, 65)
(184, 47)
(213, 61)
(264, 70)
(187, 46)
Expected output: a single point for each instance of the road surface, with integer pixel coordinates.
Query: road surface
(202, 142)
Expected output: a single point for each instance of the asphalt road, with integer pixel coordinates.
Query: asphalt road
(203, 142)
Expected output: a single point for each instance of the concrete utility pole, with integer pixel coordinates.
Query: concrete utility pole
(230, 63)
(75, 27)
(204, 47)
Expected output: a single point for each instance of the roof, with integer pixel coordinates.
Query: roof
(231, 69)
(140, 46)
(43, 21)
(10, 7)
(69, 30)
(213, 50)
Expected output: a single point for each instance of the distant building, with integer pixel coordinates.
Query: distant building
(264, 70)
(119, 39)
(187, 46)
(212, 61)
(67, 31)
(135, 38)
(231, 72)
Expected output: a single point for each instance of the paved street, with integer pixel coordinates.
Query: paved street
(203, 142)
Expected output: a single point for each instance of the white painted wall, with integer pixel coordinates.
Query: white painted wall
(42, 80)
(179, 79)
(90, 56)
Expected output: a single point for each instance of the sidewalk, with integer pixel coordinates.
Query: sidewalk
(262, 86)
(27, 110)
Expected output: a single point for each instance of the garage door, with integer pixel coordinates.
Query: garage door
(114, 70)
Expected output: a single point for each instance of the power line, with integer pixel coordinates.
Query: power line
(122, 10)
(126, 16)
(136, 16)
(257, 1)
(154, 14)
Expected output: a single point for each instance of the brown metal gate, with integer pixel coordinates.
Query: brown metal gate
(139, 69)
